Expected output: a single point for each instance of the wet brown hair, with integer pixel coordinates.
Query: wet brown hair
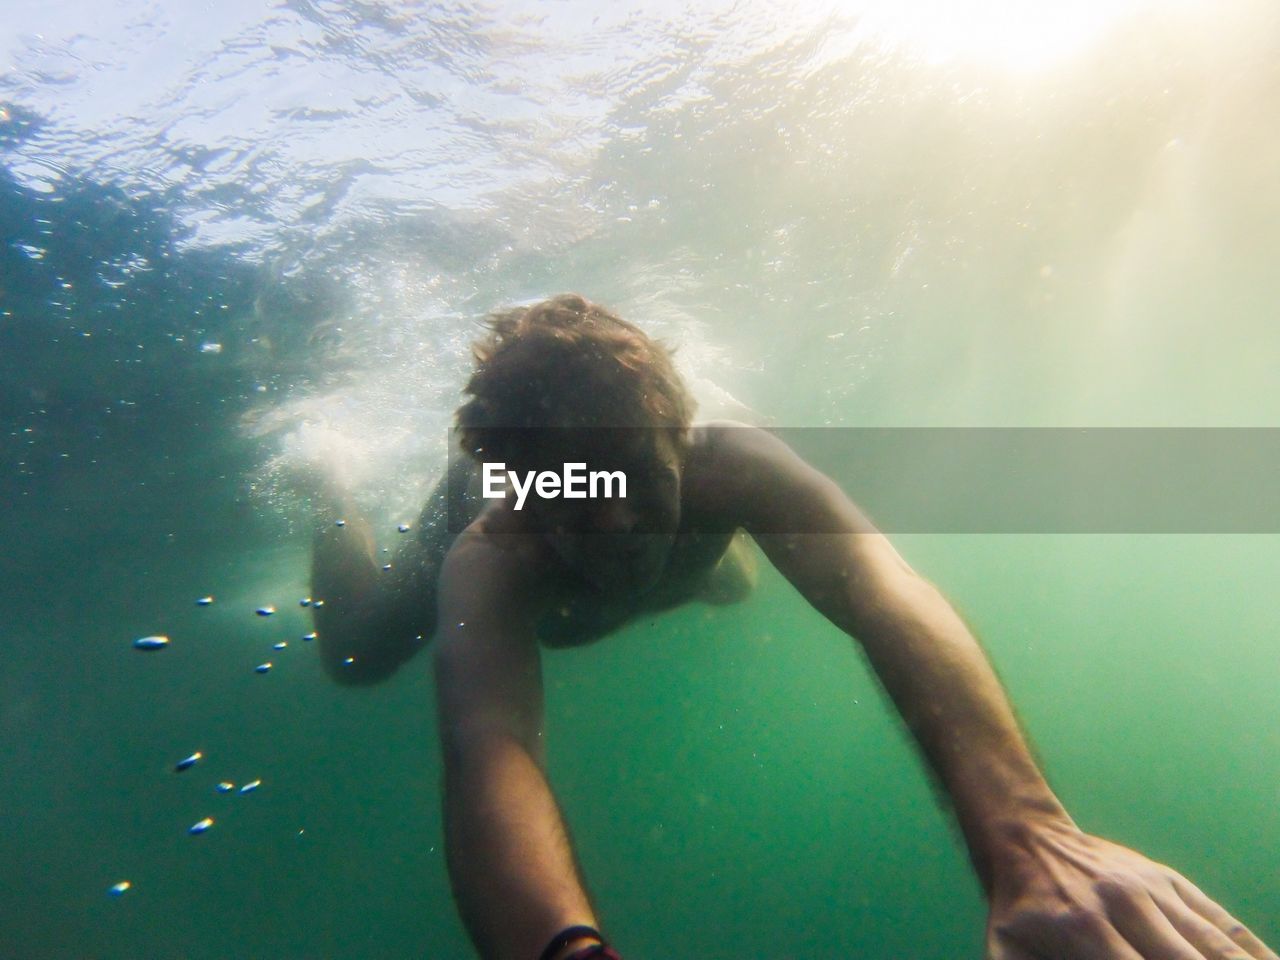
(567, 362)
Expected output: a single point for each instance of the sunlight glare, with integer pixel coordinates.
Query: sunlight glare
(1017, 34)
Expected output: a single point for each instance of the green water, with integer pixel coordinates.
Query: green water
(832, 234)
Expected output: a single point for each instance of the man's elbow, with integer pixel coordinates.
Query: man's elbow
(369, 655)
(877, 584)
(350, 675)
(473, 746)
(357, 671)
(901, 599)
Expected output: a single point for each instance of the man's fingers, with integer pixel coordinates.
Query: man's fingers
(1207, 937)
(1140, 921)
(1195, 898)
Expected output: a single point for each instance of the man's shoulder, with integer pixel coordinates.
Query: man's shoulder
(712, 438)
(727, 443)
(730, 463)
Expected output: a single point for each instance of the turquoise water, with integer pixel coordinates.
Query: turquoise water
(240, 240)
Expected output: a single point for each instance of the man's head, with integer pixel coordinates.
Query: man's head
(565, 380)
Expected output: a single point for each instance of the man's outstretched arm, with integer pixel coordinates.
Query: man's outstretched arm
(1054, 890)
(373, 619)
(510, 861)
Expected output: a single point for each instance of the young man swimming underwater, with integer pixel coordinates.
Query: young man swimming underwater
(566, 381)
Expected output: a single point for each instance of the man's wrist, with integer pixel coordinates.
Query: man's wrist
(1008, 839)
(570, 941)
(998, 821)
(573, 947)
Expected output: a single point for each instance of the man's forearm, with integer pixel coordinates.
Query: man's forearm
(372, 620)
(949, 696)
(510, 861)
(345, 578)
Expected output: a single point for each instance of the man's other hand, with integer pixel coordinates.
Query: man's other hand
(1063, 894)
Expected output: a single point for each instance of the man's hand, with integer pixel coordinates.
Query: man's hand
(1063, 894)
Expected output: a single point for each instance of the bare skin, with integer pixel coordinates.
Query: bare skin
(504, 587)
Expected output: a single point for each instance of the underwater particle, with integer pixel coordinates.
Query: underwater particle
(266, 611)
(349, 661)
(308, 636)
(117, 889)
(402, 527)
(317, 603)
(279, 646)
(339, 523)
(209, 347)
(151, 643)
(187, 762)
(226, 786)
(251, 786)
(200, 826)
(204, 601)
(263, 667)
(304, 602)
